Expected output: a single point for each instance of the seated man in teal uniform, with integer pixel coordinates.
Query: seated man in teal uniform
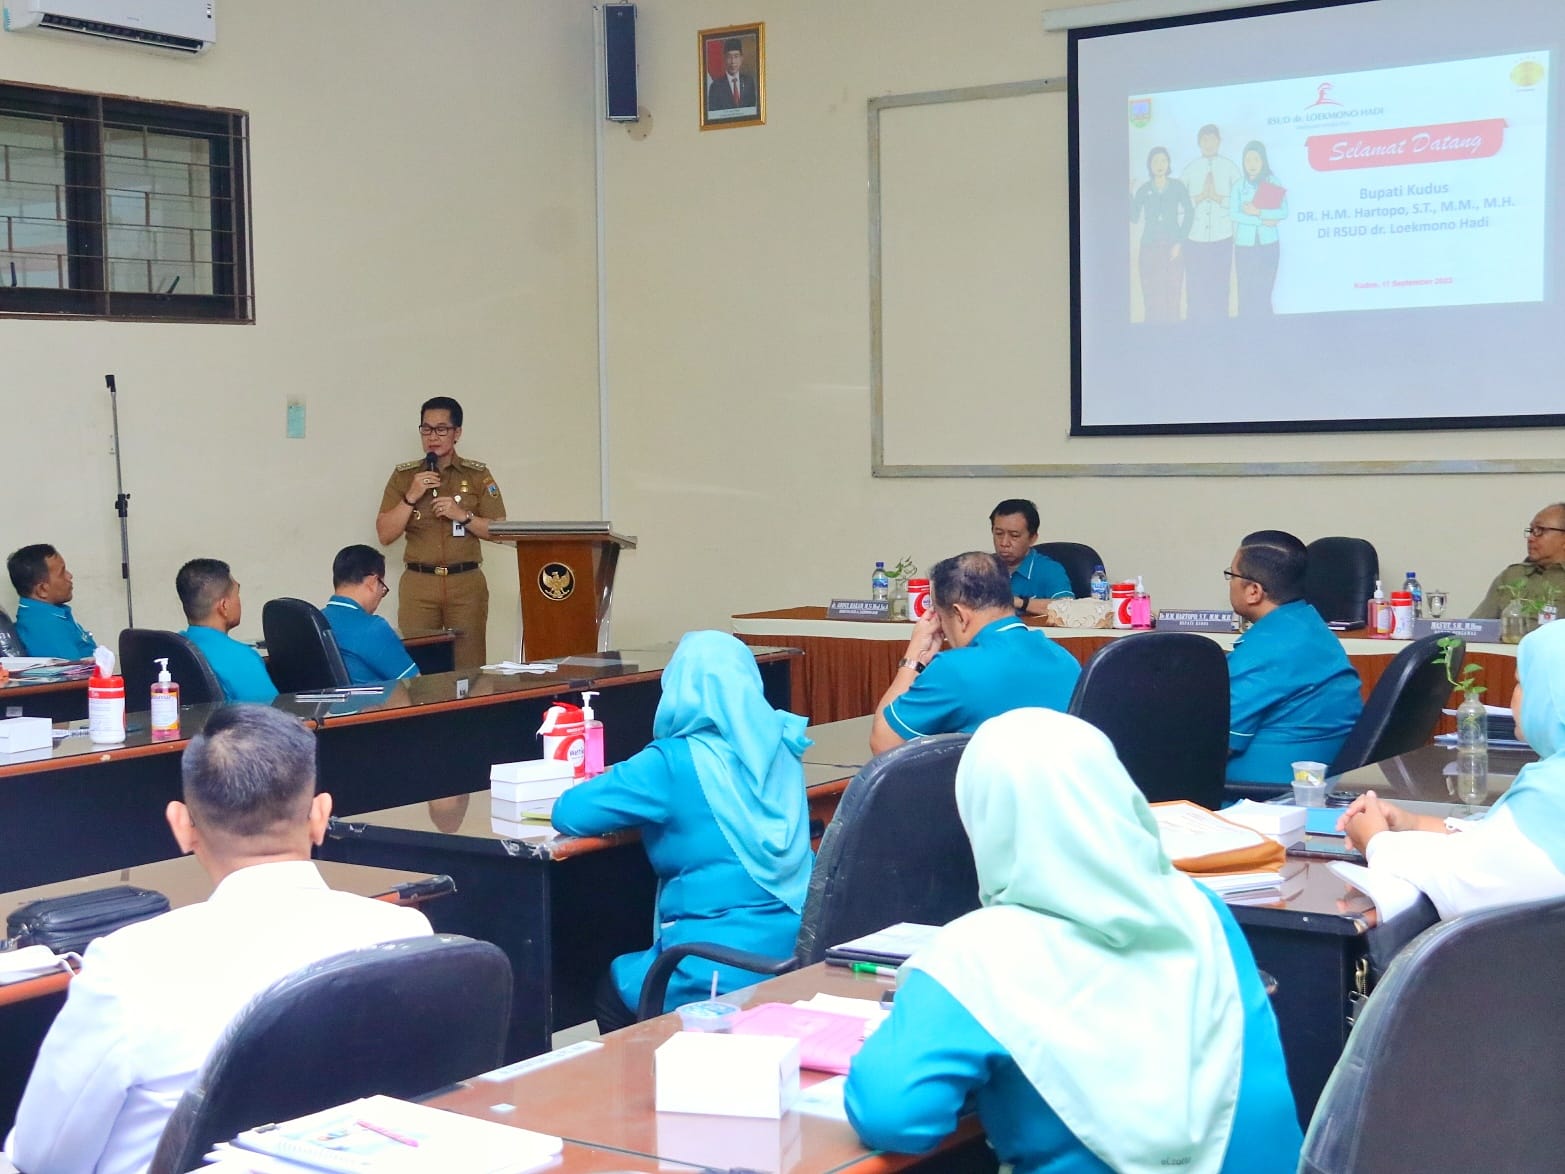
(995, 663)
(370, 648)
(209, 594)
(1035, 578)
(43, 617)
(1293, 696)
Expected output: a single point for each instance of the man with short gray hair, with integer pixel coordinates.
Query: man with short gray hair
(1543, 569)
(154, 997)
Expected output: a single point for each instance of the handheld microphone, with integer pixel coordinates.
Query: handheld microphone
(431, 462)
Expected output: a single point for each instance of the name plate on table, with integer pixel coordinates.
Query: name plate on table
(859, 609)
(1473, 631)
(1195, 621)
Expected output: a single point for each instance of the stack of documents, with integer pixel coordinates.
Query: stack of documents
(891, 946)
(386, 1136)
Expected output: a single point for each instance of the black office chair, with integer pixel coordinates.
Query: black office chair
(301, 651)
(1339, 578)
(139, 647)
(894, 851)
(403, 1019)
(10, 639)
(1162, 699)
(1403, 707)
(1079, 561)
(1454, 1064)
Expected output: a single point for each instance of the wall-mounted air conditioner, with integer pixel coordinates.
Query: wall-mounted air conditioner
(186, 26)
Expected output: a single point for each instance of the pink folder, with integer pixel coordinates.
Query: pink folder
(827, 1042)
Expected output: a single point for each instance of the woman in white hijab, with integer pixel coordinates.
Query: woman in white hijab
(1102, 1009)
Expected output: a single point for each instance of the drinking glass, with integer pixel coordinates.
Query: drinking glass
(1436, 601)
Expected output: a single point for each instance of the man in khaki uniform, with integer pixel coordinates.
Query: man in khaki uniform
(1544, 568)
(443, 512)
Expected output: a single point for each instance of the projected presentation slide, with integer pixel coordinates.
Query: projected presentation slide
(1416, 186)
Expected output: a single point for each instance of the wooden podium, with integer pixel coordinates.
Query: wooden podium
(567, 581)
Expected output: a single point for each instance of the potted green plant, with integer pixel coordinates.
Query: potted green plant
(905, 569)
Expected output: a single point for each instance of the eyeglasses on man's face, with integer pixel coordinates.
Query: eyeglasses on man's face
(1536, 531)
(441, 430)
(381, 583)
(1232, 575)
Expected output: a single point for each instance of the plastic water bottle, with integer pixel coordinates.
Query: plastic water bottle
(879, 583)
(1100, 584)
(1472, 751)
(1416, 589)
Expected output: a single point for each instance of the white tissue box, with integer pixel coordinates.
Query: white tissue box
(525, 782)
(1281, 821)
(727, 1075)
(26, 733)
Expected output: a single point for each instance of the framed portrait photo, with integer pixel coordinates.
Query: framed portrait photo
(733, 76)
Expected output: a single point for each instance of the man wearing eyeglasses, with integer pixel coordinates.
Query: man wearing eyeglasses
(1292, 694)
(370, 649)
(1544, 568)
(444, 512)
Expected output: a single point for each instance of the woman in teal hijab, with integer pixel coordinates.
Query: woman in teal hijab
(1515, 854)
(719, 800)
(1101, 1009)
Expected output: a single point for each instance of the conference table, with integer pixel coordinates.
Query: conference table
(27, 1008)
(605, 1097)
(66, 700)
(81, 808)
(849, 663)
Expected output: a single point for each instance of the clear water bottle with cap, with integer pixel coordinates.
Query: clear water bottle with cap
(1416, 589)
(880, 583)
(1100, 584)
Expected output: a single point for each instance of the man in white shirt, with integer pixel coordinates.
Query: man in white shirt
(1209, 249)
(153, 998)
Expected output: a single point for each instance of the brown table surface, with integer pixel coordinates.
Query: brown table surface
(605, 1097)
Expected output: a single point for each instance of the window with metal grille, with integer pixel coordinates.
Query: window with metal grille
(117, 208)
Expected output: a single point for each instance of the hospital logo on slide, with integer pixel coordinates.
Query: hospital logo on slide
(1140, 112)
(1527, 74)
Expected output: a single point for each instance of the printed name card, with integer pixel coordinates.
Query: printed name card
(859, 609)
(1196, 621)
(1473, 631)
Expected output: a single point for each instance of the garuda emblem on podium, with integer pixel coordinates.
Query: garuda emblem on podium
(556, 581)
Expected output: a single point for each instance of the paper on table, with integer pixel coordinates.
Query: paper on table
(827, 1041)
(17, 664)
(1391, 894)
(844, 1005)
(1188, 831)
(511, 668)
(824, 1098)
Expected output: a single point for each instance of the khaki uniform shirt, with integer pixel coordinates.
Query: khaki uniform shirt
(429, 539)
(1534, 575)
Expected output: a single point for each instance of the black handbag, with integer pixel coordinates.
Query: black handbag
(67, 924)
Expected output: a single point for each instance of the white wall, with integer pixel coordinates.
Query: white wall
(738, 292)
(423, 224)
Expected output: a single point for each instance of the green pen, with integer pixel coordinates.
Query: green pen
(873, 968)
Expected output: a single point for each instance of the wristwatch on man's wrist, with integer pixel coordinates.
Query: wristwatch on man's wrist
(907, 662)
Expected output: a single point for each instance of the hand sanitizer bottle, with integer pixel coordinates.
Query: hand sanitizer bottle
(593, 762)
(165, 704)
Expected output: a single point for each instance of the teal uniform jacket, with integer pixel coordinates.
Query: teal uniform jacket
(49, 629)
(239, 667)
(1293, 696)
(704, 892)
(910, 1082)
(1006, 666)
(1038, 576)
(370, 649)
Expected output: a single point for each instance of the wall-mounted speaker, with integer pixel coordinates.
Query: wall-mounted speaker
(619, 62)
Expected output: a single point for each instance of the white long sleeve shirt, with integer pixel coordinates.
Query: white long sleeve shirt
(1479, 865)
(153, 998)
